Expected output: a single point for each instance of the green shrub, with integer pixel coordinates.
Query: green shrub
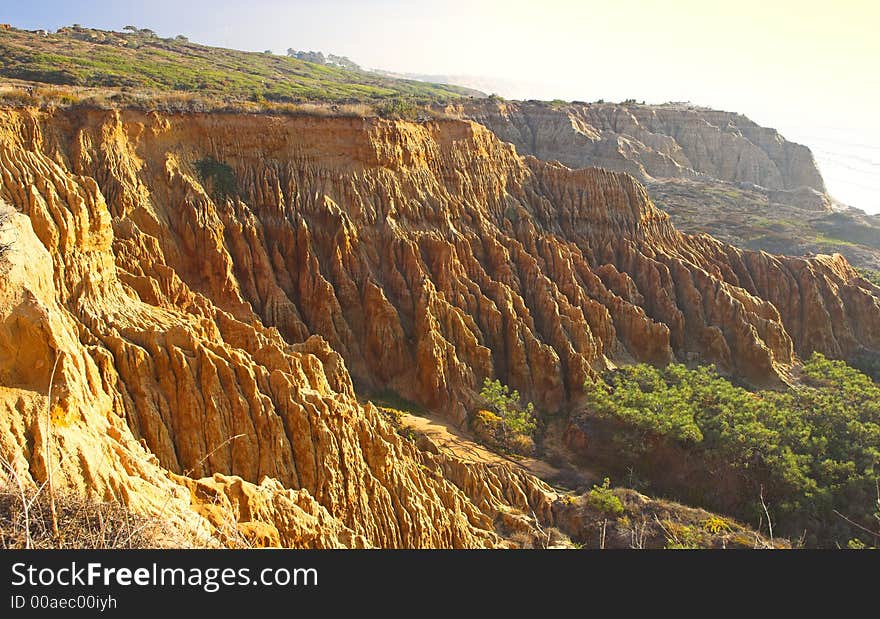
(812, 450)
(516, 417)
(398, 108)
(508, 424)
(870, 275)
(217, 177)
(602, 499)
(491, 430)
(716, 525)
(681, 536)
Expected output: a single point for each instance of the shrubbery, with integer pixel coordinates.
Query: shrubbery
(140, 60)
(602, 499)
(810, 451)
(218, 176)
(398, 108)
(509, 425)
(870, 275)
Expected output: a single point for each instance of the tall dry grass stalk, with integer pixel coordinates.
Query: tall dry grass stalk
(49, 447)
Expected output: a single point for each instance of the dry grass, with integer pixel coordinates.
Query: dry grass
(541, 539)
(18, 94)
(653, 523)
(26, 521)
(347, 110)
(5, 214)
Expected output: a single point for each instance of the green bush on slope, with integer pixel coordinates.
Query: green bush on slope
(809, 451)
(509, 425)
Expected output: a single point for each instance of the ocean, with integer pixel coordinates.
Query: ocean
(849, 160)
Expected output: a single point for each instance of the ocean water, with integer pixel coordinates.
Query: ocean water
(849, 160)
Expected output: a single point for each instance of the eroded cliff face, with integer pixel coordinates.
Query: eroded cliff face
(155, 385)
(198, 336)
(652, 142)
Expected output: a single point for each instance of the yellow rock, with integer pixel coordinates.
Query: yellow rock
(206, 348)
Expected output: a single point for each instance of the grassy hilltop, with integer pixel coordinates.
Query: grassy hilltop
(140, 60)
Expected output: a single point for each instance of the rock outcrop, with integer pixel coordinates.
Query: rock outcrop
(713, 172)
(198, 335)
(153, 385)
(652, 141)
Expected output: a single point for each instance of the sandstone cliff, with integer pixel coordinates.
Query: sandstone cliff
(150, 376)
(652, 141)
(714, 172)
(198, 335)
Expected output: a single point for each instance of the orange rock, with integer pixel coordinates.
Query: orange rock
(228, 336)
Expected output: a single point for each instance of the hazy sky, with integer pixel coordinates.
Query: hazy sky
(790, 65)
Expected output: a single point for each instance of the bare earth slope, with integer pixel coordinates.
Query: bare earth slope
(197, 335)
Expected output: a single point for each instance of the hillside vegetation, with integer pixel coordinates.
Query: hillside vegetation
(775, 222)
(78, 56)
(811, 454)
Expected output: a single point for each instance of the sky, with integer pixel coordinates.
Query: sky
(807, 68)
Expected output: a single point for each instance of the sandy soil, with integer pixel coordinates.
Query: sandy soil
(452, 441)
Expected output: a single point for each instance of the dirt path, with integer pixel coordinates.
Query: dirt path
(452, 441)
